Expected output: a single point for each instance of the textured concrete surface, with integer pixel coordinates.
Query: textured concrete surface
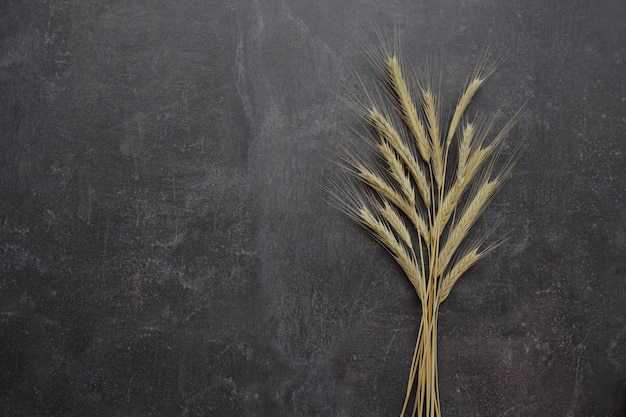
(165, 246)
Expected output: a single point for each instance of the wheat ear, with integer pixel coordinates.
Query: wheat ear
(423, 184)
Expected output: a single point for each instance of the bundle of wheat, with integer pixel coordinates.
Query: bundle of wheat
(421, 197)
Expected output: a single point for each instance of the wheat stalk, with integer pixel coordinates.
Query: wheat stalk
(423, 182)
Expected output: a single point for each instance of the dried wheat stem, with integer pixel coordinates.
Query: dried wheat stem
(414, 365)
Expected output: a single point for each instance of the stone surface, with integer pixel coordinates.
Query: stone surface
(167, 250)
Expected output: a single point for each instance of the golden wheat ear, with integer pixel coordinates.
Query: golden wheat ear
(420, 196)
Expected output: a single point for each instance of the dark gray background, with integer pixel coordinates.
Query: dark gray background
(166, 249)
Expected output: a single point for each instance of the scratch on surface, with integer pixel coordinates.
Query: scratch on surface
(577, 382)
(375, 382)
(395, 333)
(130, 384)
(610, 351)
(139, 200)
(240, 64)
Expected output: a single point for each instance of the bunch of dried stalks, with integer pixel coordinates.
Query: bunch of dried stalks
(422, 194)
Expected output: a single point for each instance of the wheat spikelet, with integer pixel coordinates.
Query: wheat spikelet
(430, 109)
(408, 108)
(461, 228)
(378, 183)
(388, 132)
(396, 169)
(396, 222)
(384, 234)
(468, 171)
(462, 265)
(428, 254)
(464, 151)
(466, 97)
